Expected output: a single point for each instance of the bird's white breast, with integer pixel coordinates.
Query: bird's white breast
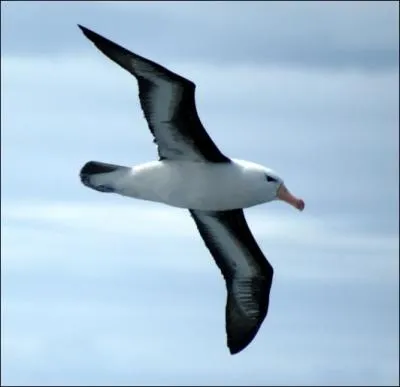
(197, 185)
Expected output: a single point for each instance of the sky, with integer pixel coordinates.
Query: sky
(100, 289)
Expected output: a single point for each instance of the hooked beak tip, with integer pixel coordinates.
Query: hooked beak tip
(300, 204)
(285, 195)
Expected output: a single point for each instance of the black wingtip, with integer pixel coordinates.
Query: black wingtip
(105, 45)
(238, 344)
(88, 33)
(95, 37)
(235, 350)
(82, 28)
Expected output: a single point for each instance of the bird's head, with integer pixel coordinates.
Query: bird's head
(281, 192)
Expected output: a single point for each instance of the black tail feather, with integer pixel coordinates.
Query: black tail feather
(95, 167)
(91, 169)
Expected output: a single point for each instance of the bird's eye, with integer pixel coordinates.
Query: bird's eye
(269, 178)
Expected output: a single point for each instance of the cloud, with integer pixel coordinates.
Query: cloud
(367, 38)
(100, 289)
(123, 284)
(61, 220)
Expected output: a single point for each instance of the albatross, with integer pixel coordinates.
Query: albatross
(192, 173)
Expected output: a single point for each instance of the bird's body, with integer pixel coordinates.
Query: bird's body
(194, 185)
(192, 173)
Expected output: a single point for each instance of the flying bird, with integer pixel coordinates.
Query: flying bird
(192, 173)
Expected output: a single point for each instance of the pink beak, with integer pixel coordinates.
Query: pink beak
(286, 196)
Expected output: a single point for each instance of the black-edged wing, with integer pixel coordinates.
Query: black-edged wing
(168, 103)
(247, 272)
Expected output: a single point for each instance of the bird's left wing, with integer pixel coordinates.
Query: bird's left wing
(248, 274)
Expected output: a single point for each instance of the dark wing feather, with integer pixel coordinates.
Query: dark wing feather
(247, 272)
(168, 102)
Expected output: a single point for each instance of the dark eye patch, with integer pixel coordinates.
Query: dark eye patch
(269, 178)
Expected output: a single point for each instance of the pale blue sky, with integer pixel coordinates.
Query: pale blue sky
(100, 289)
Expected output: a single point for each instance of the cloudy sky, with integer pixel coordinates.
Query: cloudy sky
(101, 289)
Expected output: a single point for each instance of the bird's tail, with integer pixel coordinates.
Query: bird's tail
(100, 176)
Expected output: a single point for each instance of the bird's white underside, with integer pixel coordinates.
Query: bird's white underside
(195, 185)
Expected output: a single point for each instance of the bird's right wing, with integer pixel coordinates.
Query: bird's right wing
(168, 104)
